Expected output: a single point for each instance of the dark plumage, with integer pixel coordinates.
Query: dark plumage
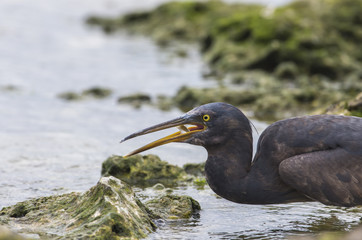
(298, 159)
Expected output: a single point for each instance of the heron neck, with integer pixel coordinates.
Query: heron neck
(227, 167)
(230, 174)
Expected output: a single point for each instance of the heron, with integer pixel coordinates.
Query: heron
(300, 159)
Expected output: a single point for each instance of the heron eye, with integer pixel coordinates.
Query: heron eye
(206, 117)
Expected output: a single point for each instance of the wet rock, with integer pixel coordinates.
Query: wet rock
(187, 98)
(20, 210)
(240, 36)
(352, 107)
(303, 45)
(164, 103)
(94, 92)
(108, 25)
(97, 92)
(108, 210)
(70, 96)
(136, 100)
(143, 171)
(173, 206)
(169, 21)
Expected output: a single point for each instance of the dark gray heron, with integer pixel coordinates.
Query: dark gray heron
(311, 158)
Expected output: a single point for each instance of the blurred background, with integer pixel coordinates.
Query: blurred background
(78, 76)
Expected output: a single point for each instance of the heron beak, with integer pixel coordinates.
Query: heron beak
(184, 133)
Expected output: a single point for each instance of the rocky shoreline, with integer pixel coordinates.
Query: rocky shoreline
(277, 63)
(110, 209)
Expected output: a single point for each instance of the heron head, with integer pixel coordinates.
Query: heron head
(207, 125)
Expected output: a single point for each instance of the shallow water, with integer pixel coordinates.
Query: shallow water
(49, 146)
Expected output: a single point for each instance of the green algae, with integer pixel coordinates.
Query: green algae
(109, 210)
(174, 206)
(18, 211)
(143, 171)
(200, 183)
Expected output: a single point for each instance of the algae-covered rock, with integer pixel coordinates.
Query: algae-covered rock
(70, 96)
(136, 99)
(164, 103)
(352, 107)
(108, 210)
(187, 97)
(94, 92)
(172, 20)
(143, 171)
(318, 37)
(173, 206)
(97, 92)
(308, 48)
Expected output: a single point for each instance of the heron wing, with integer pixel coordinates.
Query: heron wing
(333, 177)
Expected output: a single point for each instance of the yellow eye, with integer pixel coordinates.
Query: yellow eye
(206, 117)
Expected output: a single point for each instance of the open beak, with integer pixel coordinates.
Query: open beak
(184, 133)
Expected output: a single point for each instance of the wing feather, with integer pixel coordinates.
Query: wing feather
(333, 177)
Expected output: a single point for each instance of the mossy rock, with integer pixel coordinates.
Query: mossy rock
(108, 210)
(94, 92)
(136, 100)
(164, 103)
(172, 20)
(173, 206)
(187, 98)
(70, 96)
(319, 37)
(352, 107)
(292, 45)
(97, 92)
(143, 171)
